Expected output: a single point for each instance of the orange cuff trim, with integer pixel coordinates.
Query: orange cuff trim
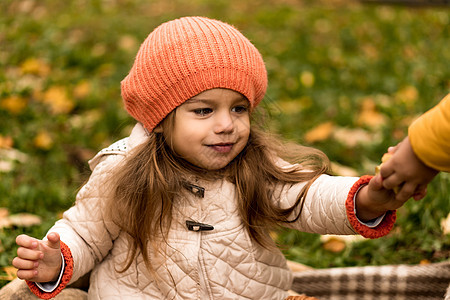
(67, 275)
(372, 233)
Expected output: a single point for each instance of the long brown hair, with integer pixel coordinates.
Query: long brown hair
(152, 175)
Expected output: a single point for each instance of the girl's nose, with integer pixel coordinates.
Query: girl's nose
(224, 123)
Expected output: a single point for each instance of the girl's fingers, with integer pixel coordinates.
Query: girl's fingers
(27, 274)
(29, 254)
(53, 240)
(23, 264)
(27, 242)
(376, 183)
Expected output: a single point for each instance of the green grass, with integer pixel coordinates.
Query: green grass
(395, 56)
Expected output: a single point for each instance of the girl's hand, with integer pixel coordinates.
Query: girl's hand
(37, 260)
(373, 200)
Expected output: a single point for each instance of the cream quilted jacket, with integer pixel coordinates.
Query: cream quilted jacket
(222, 263)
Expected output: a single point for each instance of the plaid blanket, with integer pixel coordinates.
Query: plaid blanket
(399, 282)
(424, 282)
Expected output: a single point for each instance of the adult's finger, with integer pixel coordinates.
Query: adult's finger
(392, 149)
(391, 181)
(421, 192)
(406, 191)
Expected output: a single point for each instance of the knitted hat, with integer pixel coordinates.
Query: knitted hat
(184, 57)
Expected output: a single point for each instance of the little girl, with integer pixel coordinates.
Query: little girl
(182, 208)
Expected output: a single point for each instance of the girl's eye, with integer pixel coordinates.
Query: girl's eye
(202, 111)
(240, 109)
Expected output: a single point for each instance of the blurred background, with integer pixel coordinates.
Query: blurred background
(346, 77)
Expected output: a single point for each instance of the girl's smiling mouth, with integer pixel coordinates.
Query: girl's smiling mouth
(221, 147)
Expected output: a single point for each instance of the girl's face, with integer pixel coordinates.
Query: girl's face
(212, 128)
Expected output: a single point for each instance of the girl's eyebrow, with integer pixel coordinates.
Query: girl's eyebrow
(210, 101)
(196, 100)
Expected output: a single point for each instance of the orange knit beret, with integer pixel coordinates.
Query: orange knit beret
(184, 57)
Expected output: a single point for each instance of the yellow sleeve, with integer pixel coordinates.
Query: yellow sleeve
(430, 136)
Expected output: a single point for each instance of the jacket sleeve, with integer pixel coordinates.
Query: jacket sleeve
(329, 208)
(86, 233)
(430, 136)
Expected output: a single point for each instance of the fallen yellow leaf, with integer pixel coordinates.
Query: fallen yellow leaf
(293, 106)
(369, 116)
(43, 141)
(289, 107)
(307, 79)
(128, 43)
(35, 66)
(13, 104)
(408, 95)
(82, 89)
(58, 101)
(337, 243)
(11, 273)
(319, 133)
(6, 142)
(334, 245)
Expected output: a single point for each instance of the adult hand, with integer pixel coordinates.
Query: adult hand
(405, 170)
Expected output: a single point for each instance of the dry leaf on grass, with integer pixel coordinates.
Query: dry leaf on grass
(337, 243)
(24, 220)
(334, 245)
(57, 99)
(369, 115)
(319, 133)
(6, 142)
(11, 273)
(13, 104)
(43, 140)
(35, 66)
(82, 90)
(408, 95)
